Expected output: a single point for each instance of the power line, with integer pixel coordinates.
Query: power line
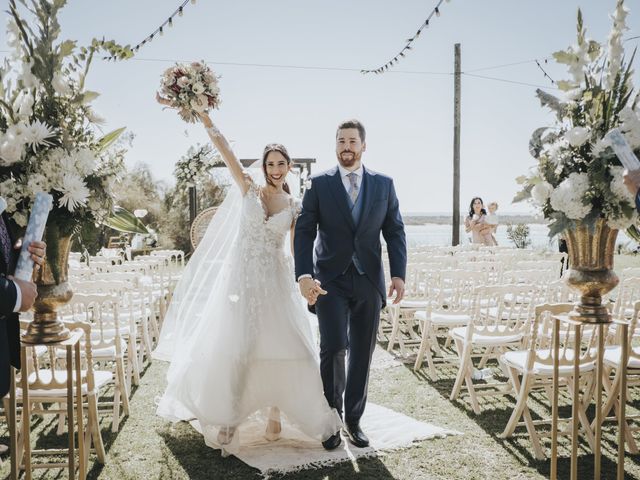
(504, 80)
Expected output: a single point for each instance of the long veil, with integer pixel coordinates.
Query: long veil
(201, 276)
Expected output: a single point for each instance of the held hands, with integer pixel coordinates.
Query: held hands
(632, 181)
(37, 250)
(397, 285)
(311, 289)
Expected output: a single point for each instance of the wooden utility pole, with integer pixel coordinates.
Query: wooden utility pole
(455, 234)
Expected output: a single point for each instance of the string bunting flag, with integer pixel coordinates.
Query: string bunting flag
(409, 45)
(168, 23)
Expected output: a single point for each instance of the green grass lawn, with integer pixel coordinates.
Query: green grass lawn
(147, 447)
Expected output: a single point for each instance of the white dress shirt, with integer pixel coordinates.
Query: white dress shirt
(18, 298)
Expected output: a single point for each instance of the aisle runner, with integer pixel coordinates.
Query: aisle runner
(386, 429)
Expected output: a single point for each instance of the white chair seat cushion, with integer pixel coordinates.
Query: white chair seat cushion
(612, 357)
(442, 318)
(101, 378)
(491, 336)
(99, 353)
(414, 303)
(518, 359)
(109, 333)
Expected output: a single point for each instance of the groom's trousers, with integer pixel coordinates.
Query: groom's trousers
(348, 317)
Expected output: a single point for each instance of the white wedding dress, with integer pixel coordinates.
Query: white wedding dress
(248, 343)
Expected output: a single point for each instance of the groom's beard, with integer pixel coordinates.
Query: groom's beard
(349, 160)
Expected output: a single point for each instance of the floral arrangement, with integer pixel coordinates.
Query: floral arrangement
(578, 177)
(193, 167)
(48, 138)
(191, 89)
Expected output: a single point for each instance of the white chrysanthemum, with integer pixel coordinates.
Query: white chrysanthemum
(85, 161)
(577, 136)
(74, 192)
(37, 134)
(569, 195)
(556, 151)
(541, 192)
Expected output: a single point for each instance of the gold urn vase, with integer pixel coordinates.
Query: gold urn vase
(591, 269)
(53, 291)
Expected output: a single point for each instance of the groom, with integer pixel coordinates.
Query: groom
(344, 210)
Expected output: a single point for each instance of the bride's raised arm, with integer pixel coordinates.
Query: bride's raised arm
(221, 144)
(229, 158)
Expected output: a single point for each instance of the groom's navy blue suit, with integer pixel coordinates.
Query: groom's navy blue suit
(348, 315)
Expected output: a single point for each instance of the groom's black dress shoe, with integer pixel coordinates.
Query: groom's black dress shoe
(356, 435)
(332, 442)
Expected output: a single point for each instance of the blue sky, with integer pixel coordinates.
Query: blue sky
(408, 115)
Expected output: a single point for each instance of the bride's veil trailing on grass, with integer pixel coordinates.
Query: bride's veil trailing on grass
(201, 277)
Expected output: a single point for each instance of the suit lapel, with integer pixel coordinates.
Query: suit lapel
(340, 196)
(369, 190)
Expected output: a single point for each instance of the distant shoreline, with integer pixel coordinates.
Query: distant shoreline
(446, 219)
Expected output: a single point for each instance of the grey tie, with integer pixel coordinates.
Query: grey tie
(354, 189)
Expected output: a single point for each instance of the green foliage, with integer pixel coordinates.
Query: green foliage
(519, 234)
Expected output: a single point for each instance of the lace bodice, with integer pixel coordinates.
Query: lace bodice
(261, 235)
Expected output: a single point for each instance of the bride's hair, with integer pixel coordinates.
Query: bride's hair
(275, 147)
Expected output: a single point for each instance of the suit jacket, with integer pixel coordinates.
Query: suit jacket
(326, 220)
(9, 323)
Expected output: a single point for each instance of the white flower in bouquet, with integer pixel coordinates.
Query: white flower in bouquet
(618, 188)
(623, 222)
(11, 150)
(23, 104)
(577, 136)
(568, 197)
(197, 88)
(183, 82)
(26, 76)
(616, 49)
(630, 126)
(20, 218)
(13, 38)
(74, 191)
(37, 134)
(541, 192)
(85, 161)
(60, 85)
(200, 103)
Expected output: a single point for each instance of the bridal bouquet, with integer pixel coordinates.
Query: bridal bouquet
(191, 89)
(578, 177)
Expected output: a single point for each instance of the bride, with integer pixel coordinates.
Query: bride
(236, 332)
